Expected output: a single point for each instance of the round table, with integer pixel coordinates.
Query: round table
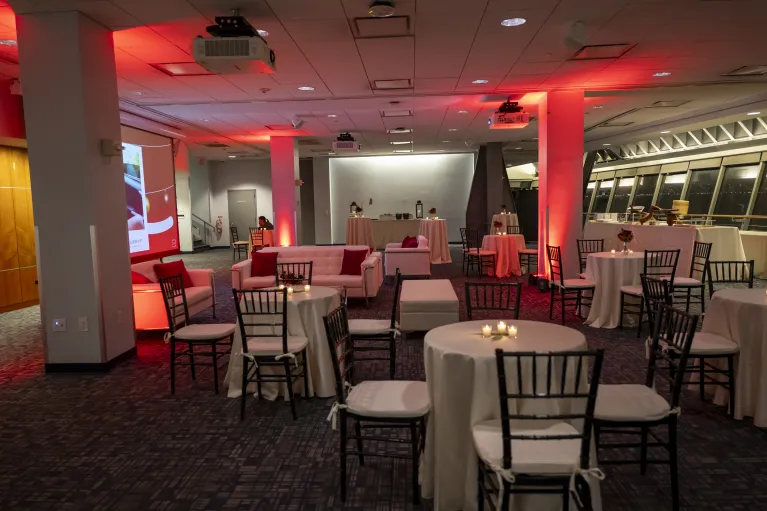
(359, 231)
(436, 232)
(305, 312)
(506, 248)
(609, 271)
(506, 219)
(741, 316)
(463, 388)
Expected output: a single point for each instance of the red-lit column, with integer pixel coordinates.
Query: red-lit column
(560, 177)
(284, 197)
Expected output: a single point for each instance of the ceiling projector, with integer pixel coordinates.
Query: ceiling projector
(346, 144)
(235, 47)
(509, 116)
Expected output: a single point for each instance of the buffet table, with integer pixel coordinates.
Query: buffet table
(755, 247)
(392, 231)
(359, 231)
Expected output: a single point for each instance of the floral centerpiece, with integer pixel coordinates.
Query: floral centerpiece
(359, 211)
(498, 226)
(626, 237)
(291, 279)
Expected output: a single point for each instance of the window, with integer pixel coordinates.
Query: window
(587, 196)
(737, 185)
(603, 196)
(671, 189)
(701, 190)
(645, 190)
(622, 195)
(760, 208)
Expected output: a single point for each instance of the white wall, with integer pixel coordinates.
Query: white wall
(199, 187)
(395, 183)
(321, 170)
(238, 175)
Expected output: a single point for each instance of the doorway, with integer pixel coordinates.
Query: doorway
(242, 211)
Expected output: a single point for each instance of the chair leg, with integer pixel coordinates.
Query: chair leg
(215, 366)
(414, 453)
(342, 417)
(701, 375)
(689, 292)
(358, 433)
(566, 498)
(578, 303)
(392, 356)
(306, 374)
(480, 492)
(731, 378)
(214, 307)
(191, 360)
(562, 299)
(551, 304)
(258, 383)
(244, 387)
(291, 397)
(672, 456)
(620, 320)
(702, 300)
(643, 453)
(641, 315)
(172, 365)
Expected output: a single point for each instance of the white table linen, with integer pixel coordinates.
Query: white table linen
(463, 388)
(726, 242)
(506, 219)
(741, 316)
(305, 312)
(755, 247)
(393, 231)
(436, 232)
(648, 237)
(609, 272)
(506, 248)
(359, 231)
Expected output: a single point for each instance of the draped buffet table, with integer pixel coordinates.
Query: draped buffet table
(436, 232)
(359, 231)
(393, 231)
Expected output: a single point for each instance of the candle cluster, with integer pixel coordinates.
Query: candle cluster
(501, 329)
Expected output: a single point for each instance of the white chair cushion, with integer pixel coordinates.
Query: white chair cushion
(630, 403)
(203, 332)
(704, 343)
(369, 326)
(393, 399)
(240, 243)
(577, 283)
(266, 346)
(529, 456)
(632, 290)
(684, 281)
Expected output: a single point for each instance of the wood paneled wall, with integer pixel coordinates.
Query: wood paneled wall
(18, 265)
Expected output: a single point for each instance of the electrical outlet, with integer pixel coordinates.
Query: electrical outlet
(82, 323)
(60, 325)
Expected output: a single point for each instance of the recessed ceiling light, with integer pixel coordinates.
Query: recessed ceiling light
(478, 82)
(463, 111)
(453, 129)
(306, 88)
(445, 141)
(8, 42)
(513, 22)
(598, 106)
(400, 142)
(262, 33)
(753, 113)
(137, 93)
(232, 156)
(332, 115)
(661, 73)
(664, 132)
(605, 144)
(204, 120)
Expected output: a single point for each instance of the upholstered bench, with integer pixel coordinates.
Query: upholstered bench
(427, 304)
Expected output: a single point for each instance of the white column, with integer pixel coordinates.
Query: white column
(183, 196)
(70, 105)
(322, 232)
(284, 160)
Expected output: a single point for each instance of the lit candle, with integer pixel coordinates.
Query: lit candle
(486, 331)
(290, 290)
(503, 233)
(631, 251)
(612, 251)
(501, 328)
(282, 286)
(512, 331)
(307, 287)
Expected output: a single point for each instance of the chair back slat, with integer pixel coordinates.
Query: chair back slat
(730, 272)
(513, 229)
(399, 278)
(263, 314)
(655, 292)
(341, 350)
(555, 264)
(586, 247)
(302, 270)
(700, 254)
(257, 236)
(493, 296)
(473, 240)
(233, 232)
(661, 263)
(541, 377)
(464, 238)
(174, 298)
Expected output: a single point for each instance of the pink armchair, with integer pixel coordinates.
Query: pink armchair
(148, 307)
(410, 261)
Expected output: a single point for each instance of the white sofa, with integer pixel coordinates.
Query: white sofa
(148, 307)
(326, 269)
(410, 261)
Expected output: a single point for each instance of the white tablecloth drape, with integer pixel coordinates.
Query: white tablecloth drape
(463, 387)
(436, 232)
(506, 219)
(359, 231)
(506, 247)
(609, 272)
(726, 243)
(741, 316)
(305, 312)
(755, 247)
(393, 231)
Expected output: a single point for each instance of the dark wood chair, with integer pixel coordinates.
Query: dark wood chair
(684, 286)
(567, 290)
(657, 264)
(476, 257)
(513, 229)
(729, 272)
(502, 297)
(301, 270)
(237, 245)
(256, 238)
(586, 247)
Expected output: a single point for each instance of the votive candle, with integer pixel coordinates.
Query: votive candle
(290, 290)
(501, 328)
(486, 331)
(612, 251)
(307, 287)
(512, 331)
(282, 286)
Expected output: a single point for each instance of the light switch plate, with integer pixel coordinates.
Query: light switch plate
(82, 323)
(60, 325)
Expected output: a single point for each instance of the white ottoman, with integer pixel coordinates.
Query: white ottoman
(427, 304)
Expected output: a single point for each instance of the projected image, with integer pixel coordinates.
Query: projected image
(135, 194)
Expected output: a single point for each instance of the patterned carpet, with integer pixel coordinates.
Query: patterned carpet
(119, 441)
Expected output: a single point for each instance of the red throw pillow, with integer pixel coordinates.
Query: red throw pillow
(263, 264)
(173, 269)
(137, 278)
(411, 243)
(352, 263)
(406, 241)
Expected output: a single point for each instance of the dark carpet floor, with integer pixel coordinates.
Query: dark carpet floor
(119, 441)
